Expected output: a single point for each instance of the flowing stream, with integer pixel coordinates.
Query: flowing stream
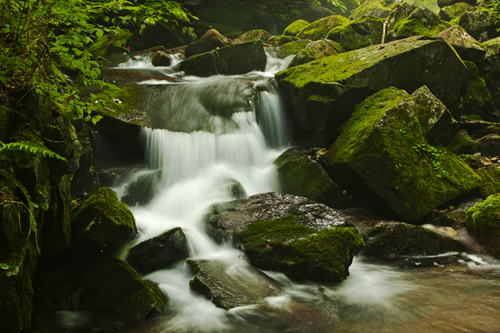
(226, 145)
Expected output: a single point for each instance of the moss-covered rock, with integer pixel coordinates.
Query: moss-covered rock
(295, 27)
(376, 8)
(453, 12)
(489, 69)
(382, 159)
(398, 239)
(253, 35)
(301, 174)
(320, 28)
(231, 285)
(467, 47)
(159, 252)
(409, 20)
(363, 32)
(232, 59)
(490, 177)
(483, 222)
(291, 48)
(316, 50)
(211, 40)
(281, 40)
(480, 24)
(477, 99)
(321, 94)
(445, 3)
(462, 143)
(101, 223)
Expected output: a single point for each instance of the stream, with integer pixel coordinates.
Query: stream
(219, 138)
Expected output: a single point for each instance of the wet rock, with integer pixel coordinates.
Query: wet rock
(320, 28)
(295, 27)
(408, 20)
(101, 223)
(293, 235)
(479, 24)
(253, 35)
(161, 58)
(210, 41)
(233, 59)
(301, 174)
(141, 190)
(237, 190)
(322, 94)
(467, 47)
(488, 145)
(483, 222)
(383, 161)
(230, 285)
(373, 8)
(396, 239)
(454, 217)
(363, 32)
(159, 252)
(316, 50)
(477, 99)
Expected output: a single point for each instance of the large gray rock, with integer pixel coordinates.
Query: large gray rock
(467, 47)
(316, 50)
(322, 94)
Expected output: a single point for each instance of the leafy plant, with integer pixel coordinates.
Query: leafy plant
(433, 154)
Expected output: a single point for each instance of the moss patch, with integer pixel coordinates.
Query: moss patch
(320, 28)
(295, 27)
(483, 222)
(292, 48)
(363, 32)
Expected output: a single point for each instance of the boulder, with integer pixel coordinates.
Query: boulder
(161, 58)
(490, 177)
(313, 12)
(305, 240)
(253, 35)
(210, 41)
(488, 145)
(295, 27)
(363, 32)
(230, 285)
(483, 222)
(291, 48)
(462, 143)
(480, 24)
(236, 189)
(410, 20)
(467, 47)
(384, 162)
(477, 99)
(454, 11)
(375, 8)
(454, 217)
(445, 3)
(233, 59)
(322, 94)
(141, 190)
(320, 28)
(159, 252)
(489, 69)
(101, 223)
(300, 173)
(316, 50)
(399, 239)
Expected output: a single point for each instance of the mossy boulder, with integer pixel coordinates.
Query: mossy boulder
(113, 286)
(320, 28)
(483, 222)
(462, 143)
(480, 24)
(141, 190)
(376, 8)
(301, 174)
(233, 59)
(382, 159)
(490, 177)
(453, 12)
(291, 48)
(477, 99)
(409, 20)
(231, 285)
(445, 3)
(489, 69)
(398, 239)
(295, 27)
(322, 94)
(281, 40)
(210, 41)
(467, 47)
(316, 50)
(363, 32)
(305, 240)
(101, 223)
(159, 252)
(253, 35)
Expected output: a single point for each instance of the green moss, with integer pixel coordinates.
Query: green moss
(363, 32)
(490, 179)
(254, 35)
(483, 222)
(372, 8)
(456, 10)
(477, 99)
(320, 28)
(295, 27)
(462, 143)
(418, 27)
(292, 48)
(281, 40)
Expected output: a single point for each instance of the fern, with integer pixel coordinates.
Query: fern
(32, 148)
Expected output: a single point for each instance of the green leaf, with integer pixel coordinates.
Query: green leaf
(99, 33)
(4, 266)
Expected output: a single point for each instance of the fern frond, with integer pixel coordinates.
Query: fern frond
(32, 148)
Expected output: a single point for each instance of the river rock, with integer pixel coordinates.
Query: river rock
(161, 58)
(483, 221)
(383, 161)
(316, 50)
(159, 252)
(489, 69)
(231, 60)
(479, 24)
(363, 32)
(477, 99)
(467, 47)
(301, 174)
(320, 28)
(141, 190)
(410, 20)
(397, 239)
(210, 41)
(253, 35)
(488, 145)
(322, 94)
(230, 285)
(373, 8)
(293, 235)
(295, 27)
(101, 223)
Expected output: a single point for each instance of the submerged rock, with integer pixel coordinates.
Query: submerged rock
(320, 28)
(316, 50)
(230, 285)
(159, 252)
(483, 221)
(293, 235)
(363, 32)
